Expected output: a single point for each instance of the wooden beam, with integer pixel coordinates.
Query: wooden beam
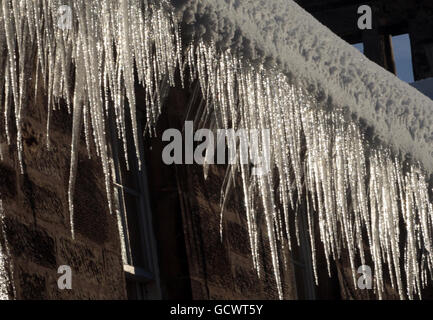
(421, 40)
(389, 55)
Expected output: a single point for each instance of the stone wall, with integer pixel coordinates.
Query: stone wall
(194, 261)
(222, 268)
(215, 268)
(37, 218)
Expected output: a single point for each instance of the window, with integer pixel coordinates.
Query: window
(302, 260)
(132, 207)
(403, 57)
(359, 46)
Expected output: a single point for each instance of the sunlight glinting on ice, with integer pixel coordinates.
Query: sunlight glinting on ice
(5, 283)
(357, 196)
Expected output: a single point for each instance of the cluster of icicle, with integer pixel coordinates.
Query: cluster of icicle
(356, 196)
(108, 41)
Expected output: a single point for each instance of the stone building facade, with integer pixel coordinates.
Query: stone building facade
(36, 218)
(191, 259)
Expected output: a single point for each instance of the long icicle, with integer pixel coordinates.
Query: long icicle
(316, 156)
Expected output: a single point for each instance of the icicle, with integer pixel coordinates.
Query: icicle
(76, 130)
(357, 195)
(5, 282)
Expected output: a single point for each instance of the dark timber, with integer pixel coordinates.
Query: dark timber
(390, 18)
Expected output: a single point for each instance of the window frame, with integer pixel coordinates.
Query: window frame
(145, 279)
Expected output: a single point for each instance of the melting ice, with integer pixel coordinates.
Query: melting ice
(358, 196)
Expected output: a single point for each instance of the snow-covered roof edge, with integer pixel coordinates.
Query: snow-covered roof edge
(333, 174)
(281, 32)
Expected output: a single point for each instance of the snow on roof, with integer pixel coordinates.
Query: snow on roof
(277, 32)
(281, 32)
